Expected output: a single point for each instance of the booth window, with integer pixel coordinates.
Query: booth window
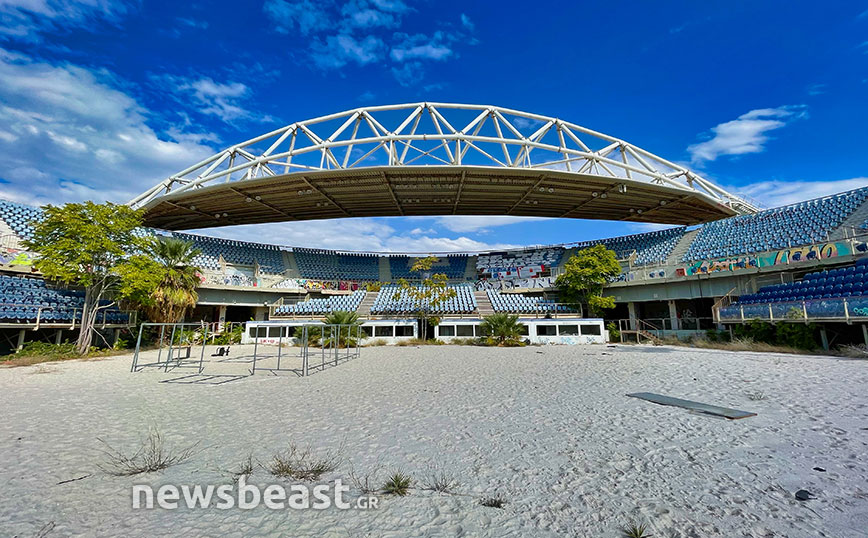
(403, 330)
(464, 330)
(546, 330)
(383, 330)
(591, 330)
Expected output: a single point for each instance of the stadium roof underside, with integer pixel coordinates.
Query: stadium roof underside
(433, 159)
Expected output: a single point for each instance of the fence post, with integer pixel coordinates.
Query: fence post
(255, 349)
(279, 344)
(138, 347)
(304, 350)
(171, 342)
(202, 355)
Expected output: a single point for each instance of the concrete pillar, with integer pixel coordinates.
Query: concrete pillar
(631, 308)
(221, 316)
(673, 316)
(865, 334)
(21, 334)
(115, 336)
(58, 336)
(824, 338)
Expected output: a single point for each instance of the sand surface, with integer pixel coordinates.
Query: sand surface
(548, 428)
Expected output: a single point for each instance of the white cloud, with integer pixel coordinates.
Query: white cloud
(421, 46)
(228, 101)
(338, 50)
(221, 100)
(746, 134)
(358, 32)
(816, 89)
(776, 193)
(26, 19)
(307, 16)
(352, 234)
(409, 73)
(470, 223)
(72, 135)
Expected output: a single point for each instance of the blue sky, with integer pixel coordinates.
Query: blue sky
(102, 99)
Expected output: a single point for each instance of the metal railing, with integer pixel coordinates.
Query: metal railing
(183, 345)
(181, 342)
(338, 343)
(74, 320)
(846, 309)
(660, 326)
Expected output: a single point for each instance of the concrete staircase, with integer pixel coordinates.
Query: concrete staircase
(385, 269)
(366, 304)
(470, 270)
(8, 239)
(681, 247)
(483, 305)
(852, 222)
(291, 265)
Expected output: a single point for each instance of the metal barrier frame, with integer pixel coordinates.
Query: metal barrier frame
(170, 360)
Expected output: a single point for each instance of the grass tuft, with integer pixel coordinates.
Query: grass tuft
(493, 501)
(635, 530)
(756, 396)
(397, 484)
(441, 482)
(245, 469)
(301, 464)
(152, 456)
(368, 482)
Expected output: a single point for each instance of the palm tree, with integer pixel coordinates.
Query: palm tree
(503, 329)
(176, 292)
(347, 331)
(345, 338)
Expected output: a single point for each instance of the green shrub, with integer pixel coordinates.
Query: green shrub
(42, 349)
(501, 330)
(614, 333)
(713, 335)
(314, 334)
(232, 336)
(795, 335)
(397, 484)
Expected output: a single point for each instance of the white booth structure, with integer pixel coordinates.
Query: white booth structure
(569, 331)
(391, 331)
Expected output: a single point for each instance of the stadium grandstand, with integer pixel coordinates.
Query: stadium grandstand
(723, 261)
(804, 261)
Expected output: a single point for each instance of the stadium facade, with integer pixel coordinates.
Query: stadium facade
(727, 263)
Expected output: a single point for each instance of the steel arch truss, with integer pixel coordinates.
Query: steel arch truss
(404, 136)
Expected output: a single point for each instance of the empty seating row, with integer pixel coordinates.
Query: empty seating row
(453, 266)
(522, 304)
(650, 247)
(793, 225)
(18, 217)
(331, 265)
(825, 307)
(24, 300)
(347, 303)
(843, 282)
(394, 300)
(493, 262)
(269, 257)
